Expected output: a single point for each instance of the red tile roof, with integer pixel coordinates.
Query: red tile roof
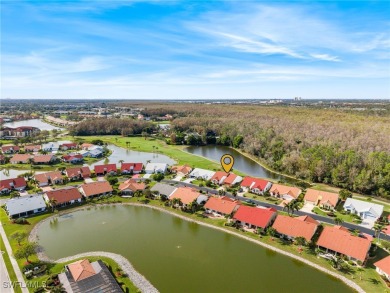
(95, 188)
(43, 158)
(100, 169)
(295, 227)
(32, 147)
(137, 167)
(343, 242)
(69, 145)
(218, 176)
(71, 157)
(253, 183)
(384, 265)
(64, 195)
(254, 216)
(324, 197)
(16, 182)
(6, 148)
(81, 269)
(20, 158)
(185, 194)
(283, 189)
(185, 169)
(75, 172)
(221, 205)
(44, 177)
(132, 185)
(230, 178)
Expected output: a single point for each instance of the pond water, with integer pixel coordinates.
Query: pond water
(119, 153)
(32, 122)
(241, 162)
(179, 256)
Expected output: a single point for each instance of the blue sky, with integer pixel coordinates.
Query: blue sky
(202, 49)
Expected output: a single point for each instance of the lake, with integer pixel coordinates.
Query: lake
(32, 122)
(241, 162)
(119, 153)
(179, 256)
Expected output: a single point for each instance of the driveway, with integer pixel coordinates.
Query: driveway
(307, 208)
(178, 178)
(367, 224)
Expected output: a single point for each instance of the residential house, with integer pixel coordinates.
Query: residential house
(10, 149)
(86, 146)
(63, 196)
(232, 179)
(286, 192)
(32, 148)
(255, 185)
(182, 171)
(221, 206)
(98, 188)
(221, 177)
(383, 267)
(105, 169)
(68, 146)
(83, 276)
(8, 185)
(339, 240)
(45, 159)
(366, 210)
(152, 168)
(253, 217)
(187, 195)
(323, 199)
(130, 186)
(131, 168)
(73, 158)
(20, 159)
(199, 173)
(51, 146)
(78, 173)
(25, 206)
(162, 189)
(48, 178)
(21, 131)
(291, 228)
(95, 153)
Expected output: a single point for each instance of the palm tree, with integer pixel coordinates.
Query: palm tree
(336, 262)
(121, 161)
(52, 203)
(338, 221)
(378, 227)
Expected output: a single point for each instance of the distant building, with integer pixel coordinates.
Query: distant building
(21, 131)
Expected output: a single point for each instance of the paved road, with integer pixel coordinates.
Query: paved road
(4, 276)
(279, 208)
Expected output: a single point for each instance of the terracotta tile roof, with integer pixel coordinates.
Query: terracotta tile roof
(71, 157)
(185, 194)
(100, 169)
(185, 169)
(86, 145)
(295, 227)
(323, 196)
(132, 185)
(43, 158)
(137, 167)
(69, 145)
(6, 148)
(64, 195)
(308, 219)
(221, 205)
(384, 265)
(254, 216)
(15, 182)
(75, 172)
(44, 177)
(81, 269)
(20, 158)
(230, 178)
(283, 189)
(218, 176)
(253, 183)
(32, 147)
(95, 188)
(343, 242)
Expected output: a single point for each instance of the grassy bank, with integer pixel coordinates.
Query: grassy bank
(9, 267)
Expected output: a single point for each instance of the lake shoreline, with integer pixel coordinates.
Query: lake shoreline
(42, 256)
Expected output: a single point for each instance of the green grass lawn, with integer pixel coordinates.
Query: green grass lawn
(9, 267)
(269, 199)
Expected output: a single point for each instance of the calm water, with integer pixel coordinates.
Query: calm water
(119, 153)
(32, 122)
(178, 256)
(241, 163)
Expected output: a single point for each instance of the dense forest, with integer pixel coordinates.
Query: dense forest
(103, 126)
(348, 150)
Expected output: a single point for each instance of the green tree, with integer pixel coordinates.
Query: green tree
(338, 221)
(344, 194)
(26, 251)
(19, 236)
(300, 241)
(237, 141)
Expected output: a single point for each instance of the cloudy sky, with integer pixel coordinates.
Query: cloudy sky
(200, 49)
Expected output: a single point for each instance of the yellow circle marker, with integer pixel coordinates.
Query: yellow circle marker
(227, 162)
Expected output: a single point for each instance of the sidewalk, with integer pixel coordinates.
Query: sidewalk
(18, 273)
(4, 276)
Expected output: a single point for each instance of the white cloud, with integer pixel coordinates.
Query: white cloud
(326, 57)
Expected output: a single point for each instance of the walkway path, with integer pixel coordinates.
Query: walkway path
(14, 263)
(4, 276)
